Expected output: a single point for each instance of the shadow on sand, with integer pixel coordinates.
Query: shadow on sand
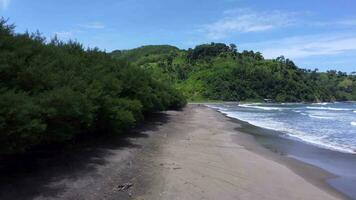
(38, 173)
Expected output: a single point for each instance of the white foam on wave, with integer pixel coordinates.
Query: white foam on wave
(216, 107)
(292, 103)
(353, 123)
(260, 107)
(320, 117)
(327, 108)
(325, 114)
(325, 103)
(300, 112)
(295, 134)
(317, 141)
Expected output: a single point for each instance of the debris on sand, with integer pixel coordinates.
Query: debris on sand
(124, 187)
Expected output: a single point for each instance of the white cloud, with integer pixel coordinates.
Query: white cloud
(334, 23)
(64, 34)
(246, 20)
(93, 25)
(4, 4)
(305, 46)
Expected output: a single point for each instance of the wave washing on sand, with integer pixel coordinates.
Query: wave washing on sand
(326, 127)
(295, 134)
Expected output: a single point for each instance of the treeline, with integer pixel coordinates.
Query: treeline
(218, 71)
(51, 92)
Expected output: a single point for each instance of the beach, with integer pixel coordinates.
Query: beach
(210, 159)
(197, 153)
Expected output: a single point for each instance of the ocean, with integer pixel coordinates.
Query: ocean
(326, 125)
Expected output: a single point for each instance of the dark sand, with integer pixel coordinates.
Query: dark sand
(193, 154)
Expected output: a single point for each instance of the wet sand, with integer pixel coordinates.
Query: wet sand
(339, 166)
(197, 153)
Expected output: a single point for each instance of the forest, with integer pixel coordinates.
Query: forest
(219, 72)
(53, 91)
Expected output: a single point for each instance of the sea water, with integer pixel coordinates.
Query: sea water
(326, 125)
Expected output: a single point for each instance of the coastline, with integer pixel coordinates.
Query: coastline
(326, 168)
(208, 157)
(277, 149)
(196, 153)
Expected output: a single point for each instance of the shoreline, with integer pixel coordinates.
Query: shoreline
(207, 156)
(313, 174)
(196, 153)
(313, 170)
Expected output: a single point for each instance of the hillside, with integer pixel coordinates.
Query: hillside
(139, 54)
(219, 72)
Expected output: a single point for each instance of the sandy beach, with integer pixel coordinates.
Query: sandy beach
(204, 161)
(192, 154)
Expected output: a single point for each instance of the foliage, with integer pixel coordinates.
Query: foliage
(219, 72)
(53, 91)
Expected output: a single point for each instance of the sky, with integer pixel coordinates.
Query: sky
(313, 33)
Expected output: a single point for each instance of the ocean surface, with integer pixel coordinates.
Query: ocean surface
(326, 125)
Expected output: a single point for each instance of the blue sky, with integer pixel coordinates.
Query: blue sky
(314, 33)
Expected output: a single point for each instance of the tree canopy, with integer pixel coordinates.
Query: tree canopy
(218, 71)
(54, 91)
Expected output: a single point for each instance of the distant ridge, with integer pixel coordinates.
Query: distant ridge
(220, 72)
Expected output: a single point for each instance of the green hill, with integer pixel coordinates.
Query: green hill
(142, 54)
(219, 72)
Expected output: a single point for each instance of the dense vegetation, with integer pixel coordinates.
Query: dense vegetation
(51, 92)
(219, 72)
